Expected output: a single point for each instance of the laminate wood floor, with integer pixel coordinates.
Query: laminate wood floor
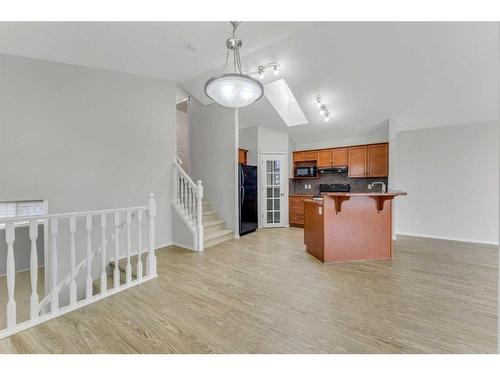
(264, 294)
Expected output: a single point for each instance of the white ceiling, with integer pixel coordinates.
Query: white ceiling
(154, 49)
(421, 74)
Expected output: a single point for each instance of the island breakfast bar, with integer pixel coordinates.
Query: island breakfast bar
(344, 227)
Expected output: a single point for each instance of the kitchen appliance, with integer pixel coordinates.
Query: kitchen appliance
(334, 188)
(333, 170)
(248, 213)
(305, 171)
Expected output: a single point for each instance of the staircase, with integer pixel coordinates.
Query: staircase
(214, 228)
(200, 217)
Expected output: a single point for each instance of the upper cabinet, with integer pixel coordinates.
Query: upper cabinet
(339, 156)
(362, 161)
(325, 159)
(299, 156)
(369, 161)
(378, 160)
(311, 155)
(357, 161)
(242, 156)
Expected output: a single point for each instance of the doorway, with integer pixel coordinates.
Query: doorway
(183, 132)
(273, 208)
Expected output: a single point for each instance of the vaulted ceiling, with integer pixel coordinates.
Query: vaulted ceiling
(421, 74)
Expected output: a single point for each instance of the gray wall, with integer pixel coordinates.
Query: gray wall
(249, 140)
(85, 139)
(212, 148)
(451, 176)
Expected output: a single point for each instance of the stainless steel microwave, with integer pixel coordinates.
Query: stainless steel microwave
(305, 171)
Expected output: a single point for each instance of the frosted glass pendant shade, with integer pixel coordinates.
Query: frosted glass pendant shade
(234, 90)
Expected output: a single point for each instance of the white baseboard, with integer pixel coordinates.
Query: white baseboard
(447, 238)
(185, 246)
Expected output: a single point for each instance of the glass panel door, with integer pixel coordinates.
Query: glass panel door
(273, 172)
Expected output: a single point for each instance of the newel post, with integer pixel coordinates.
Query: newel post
(199, 215)
(151, 260)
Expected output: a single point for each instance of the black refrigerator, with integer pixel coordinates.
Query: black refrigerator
(248, 198)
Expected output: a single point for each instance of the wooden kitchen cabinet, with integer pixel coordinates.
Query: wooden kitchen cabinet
(339, 157)
(325, 158)
(311, 155)
(299, 156)
(357, 160)
(242, 156)
(378, 160)
(296, 209)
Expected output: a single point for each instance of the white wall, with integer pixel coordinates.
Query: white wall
(451, 176)
(85, 138)
(212, 155)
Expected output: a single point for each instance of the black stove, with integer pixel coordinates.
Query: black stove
(334, 188)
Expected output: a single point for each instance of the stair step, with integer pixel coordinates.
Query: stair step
(213, 237)
(209, 212)
(122, 265)
(213, 224)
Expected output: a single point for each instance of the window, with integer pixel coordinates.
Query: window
(21, 208)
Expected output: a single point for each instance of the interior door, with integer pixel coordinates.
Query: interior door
(273, 207)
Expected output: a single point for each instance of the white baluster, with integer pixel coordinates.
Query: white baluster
(174, 182)
(139, 244)
(199, 214)
(88, 226)
(11, 275)
(182, 192)
(128, 269)
(151, 260)
(104, 277)
(72, 261)
(116, 271)
(54, 290)
(193, 204)
(34, 270)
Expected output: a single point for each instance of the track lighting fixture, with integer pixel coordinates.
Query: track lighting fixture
(323, 109)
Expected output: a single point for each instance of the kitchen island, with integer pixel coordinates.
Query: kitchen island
(344, 227)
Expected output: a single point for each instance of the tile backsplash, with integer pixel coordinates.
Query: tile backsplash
(358, 185)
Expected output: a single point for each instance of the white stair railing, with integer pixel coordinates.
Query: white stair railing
(38, 311)
(187, 199)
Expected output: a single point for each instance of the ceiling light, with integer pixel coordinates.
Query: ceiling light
(323, 109)
(236, 89)
(276, 70)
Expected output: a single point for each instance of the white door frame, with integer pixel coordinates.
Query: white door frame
(284, 188)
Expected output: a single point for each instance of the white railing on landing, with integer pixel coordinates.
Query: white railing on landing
(38, 311)
(187, 199)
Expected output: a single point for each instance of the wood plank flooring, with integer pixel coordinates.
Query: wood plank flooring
(264, 294)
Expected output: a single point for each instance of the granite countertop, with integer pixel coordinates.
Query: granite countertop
(372, 194)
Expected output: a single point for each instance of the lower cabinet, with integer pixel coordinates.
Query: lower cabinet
(296, 209)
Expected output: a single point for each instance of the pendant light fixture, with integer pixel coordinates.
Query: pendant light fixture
(235, 89)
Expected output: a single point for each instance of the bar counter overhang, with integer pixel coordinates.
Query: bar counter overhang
(347, 227)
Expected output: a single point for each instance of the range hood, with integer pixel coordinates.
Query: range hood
(333, 170)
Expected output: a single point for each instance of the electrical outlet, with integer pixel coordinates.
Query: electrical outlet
(369, 186)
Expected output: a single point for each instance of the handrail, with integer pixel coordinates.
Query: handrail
(38, 309)
(42, 218)
(67, 280)
(184, 174)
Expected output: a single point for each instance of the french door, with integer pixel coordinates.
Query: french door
(273, 182)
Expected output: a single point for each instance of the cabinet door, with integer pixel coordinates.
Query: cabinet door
(357, 161)
(378, 160)
(339, 157)
(242, 156)
(311, 155)
(299, 156)
(325, 158)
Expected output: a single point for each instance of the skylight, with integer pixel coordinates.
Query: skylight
(280, 96)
